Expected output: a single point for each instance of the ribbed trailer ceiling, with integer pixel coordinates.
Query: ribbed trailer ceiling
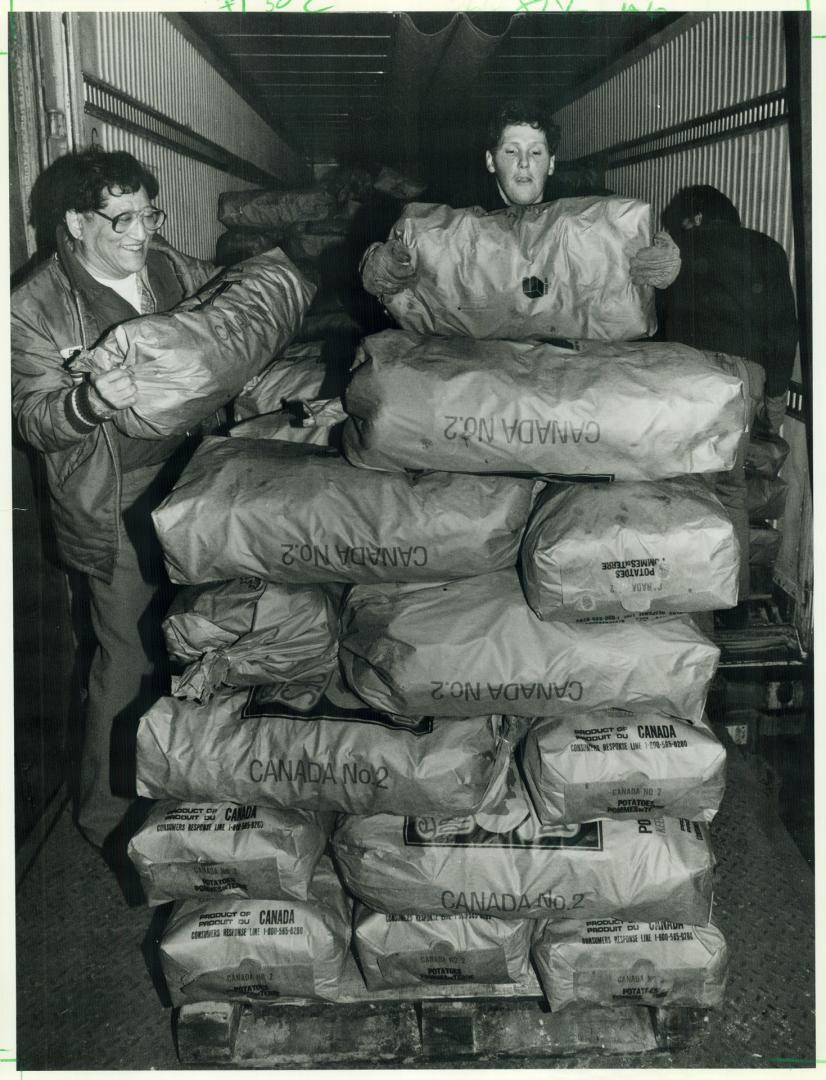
(342, 86)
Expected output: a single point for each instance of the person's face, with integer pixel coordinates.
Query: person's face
(111, 254)
(521, 163)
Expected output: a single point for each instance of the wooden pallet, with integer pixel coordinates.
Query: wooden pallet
(419, 1027)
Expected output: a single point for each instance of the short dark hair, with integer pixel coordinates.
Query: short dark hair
(699, 199)
(521, 111)
(81, 180)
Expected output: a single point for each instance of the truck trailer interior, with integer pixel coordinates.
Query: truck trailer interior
(271, 96)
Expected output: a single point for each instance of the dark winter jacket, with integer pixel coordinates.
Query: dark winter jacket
(59, 309)
(733, 295)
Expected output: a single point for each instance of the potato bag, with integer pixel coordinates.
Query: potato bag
(667, 545)
(646, 868)
(248, 631)
(427, 950)
(248, 747)
(296, 514)
(556, 269)
(192, 360)
(609, 962)
(299, 372)
(583, 768)
(318, 422)
(640, 410)
(276, 209)
(464, 645)
(196, 851)
(259, 949)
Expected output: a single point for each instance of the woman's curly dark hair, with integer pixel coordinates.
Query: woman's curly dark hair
(522, 111)
(81, 181)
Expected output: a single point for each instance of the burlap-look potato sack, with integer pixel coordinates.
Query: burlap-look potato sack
(427, 950)
(198, 850)
(639, 869)
(584, 768)
(766, 454)
(557, 269)
(667, 545)
(298, 373)
(259, 949)
(247, 746)
(295, 513)
(609, 962)
(468, 645)
(248, 631)
(318, 422)
(626, 411)
(192, 360)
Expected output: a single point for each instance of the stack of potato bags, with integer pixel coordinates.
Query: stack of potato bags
(494, 682)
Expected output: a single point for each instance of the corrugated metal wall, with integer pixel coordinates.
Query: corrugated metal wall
(145, 56)
(719, 60)
(752, 169)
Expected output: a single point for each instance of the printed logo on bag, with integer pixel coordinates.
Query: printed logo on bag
(261, 702)
(534, 287)
(464, 832)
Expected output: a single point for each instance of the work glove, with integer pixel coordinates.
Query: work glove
(387, 268)
(657, 265)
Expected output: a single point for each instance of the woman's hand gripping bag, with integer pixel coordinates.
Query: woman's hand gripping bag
(192, 360)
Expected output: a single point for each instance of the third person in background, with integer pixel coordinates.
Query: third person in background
(732, 295)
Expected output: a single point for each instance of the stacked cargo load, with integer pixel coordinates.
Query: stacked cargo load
(590, 639)
(447, 626)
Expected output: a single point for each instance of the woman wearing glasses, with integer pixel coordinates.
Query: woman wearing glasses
(109, 266)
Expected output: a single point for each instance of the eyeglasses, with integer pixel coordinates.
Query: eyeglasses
(152, 219)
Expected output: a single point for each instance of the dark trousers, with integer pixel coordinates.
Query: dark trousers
(128, 669)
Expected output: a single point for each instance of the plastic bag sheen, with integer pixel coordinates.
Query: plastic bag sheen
(198, 851)
(295, 513)
(557, 269)
(319, 422)
(581, 769)
(667, 545)
(625, 411)
(249, 950)
(249, 747)
(427, 950)
(609, 962)
(192, 360)
(246, 632)
(651, 868)
(298, 373)
(464, 645)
